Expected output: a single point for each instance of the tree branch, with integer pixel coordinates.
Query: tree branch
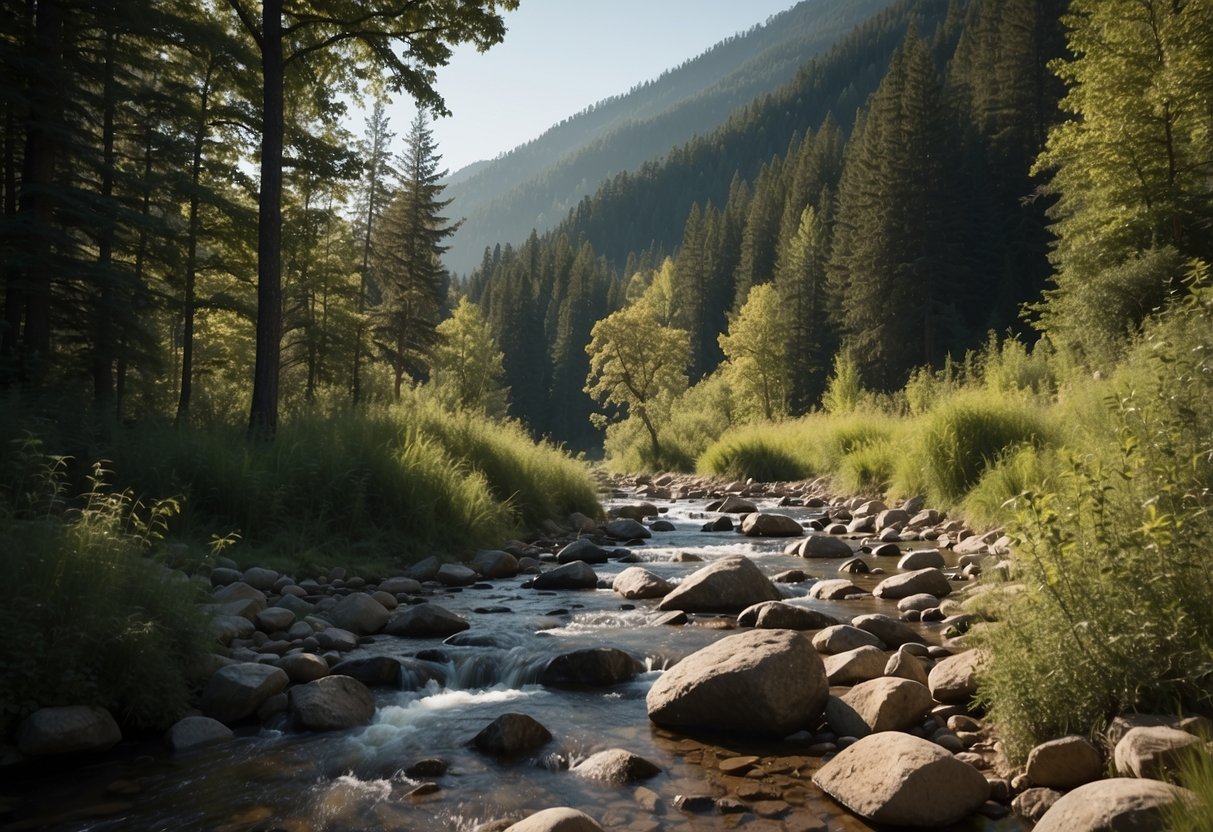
(249, 23)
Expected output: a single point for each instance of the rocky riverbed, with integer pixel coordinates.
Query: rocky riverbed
(712, 656)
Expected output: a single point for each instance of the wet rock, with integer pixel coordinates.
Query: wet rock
(889, 630)
(303, 667)
(854, 666)
(891, 518)
(901, 780)
(1150, 752)
(729, 585)
(1114, 804)
(1032, 804)
(635, 512)
(335, 638)
(855, 566)
(583, 550)
(616, 766)
(887, 550)
(575, 574)
(429, 767)
(195, 732)
(834, 590)
(494, 563)
(776, 673)
(401, 586)
(1064, 763)
(671, 619)
(359, 613)
(878, 705)
(921, 601)
(733, 505)
(556, 820)
(590, 667)
(333, 703)
(697, 803)
(425, 621)
(456, 574)
(662, 526)
(626, 529)
(844, 637)
(720, 524)
(67, 729)
(953, 681)
(790, 576)
(372, 671)
(761, 524)
(824, 546)
(930, 581)
(778, 615)
(236, 691)
(512, 734)
(424, 570)
(636, 582)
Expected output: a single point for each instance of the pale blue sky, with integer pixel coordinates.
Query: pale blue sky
(560, 56)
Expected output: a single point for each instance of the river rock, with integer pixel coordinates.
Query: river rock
(195, 732)
(616, 766)
(583, 550)
(905, 665)
(590, 667)
(1150, 752)
(720, 524)
(259, 578)
(1032, 804)
(734, 505)
(930, 581)
(1064, 763)
(222, 576)
(424, 570)
(854, 666)
(511, 734)
(401, 586)
(1119, 803)
(456, 574)
(494, 563)
(662, 526)
(335, 638)
(920, 602)
(302, 668)
(889, 630)
(576, 574)
(273, 619)
(883, 704)
(729, 585)
(425, 621)
(776, 673)
(333, 703)
(778, 615)
(901, 780)
(636, 582)
(372, 671)
(227, 627)
(67, 729)
(835, 589)
(556, 820)
(760, 524)
(892, 518)
(359, 613)
(953, 681)
(241, 599)
(824, 546)
(627, 529)
(922, 559)
(844, 637)
(636, 512)
(236, 691)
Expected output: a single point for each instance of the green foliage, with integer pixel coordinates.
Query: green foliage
(990, 502)
(1117, 610)
(756, 351)
(867, 469)
(1010, 367)
(1196, 775)
(91, 617)
(467, 373)
(751, 454)
(844, 389)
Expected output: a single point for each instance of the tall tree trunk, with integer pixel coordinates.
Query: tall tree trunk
(263, 415)
(10, 330)
(360, 330)
(103, 346)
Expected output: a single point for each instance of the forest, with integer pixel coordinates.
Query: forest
(963, 253)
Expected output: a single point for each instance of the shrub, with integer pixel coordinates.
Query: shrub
(751, 455)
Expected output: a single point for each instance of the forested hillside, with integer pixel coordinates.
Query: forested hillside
(535, 185)
(886, 192)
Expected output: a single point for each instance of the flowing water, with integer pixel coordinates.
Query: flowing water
(354, 780)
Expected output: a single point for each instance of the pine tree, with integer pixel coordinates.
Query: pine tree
(376, 155)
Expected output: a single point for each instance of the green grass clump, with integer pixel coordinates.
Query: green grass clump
(89, 617)
(1196, 815)
(991, 501)
(750, 454)
(868, 469)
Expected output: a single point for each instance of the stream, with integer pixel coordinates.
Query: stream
(353, 780)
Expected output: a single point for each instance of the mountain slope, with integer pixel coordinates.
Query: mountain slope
(535, 185)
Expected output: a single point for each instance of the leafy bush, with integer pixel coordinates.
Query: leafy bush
(89, 618)
(1017, 471)
(750, 454)
(1196, 775)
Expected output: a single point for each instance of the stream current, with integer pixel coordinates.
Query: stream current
(353, 780)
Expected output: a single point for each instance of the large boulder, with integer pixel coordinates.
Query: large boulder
(734, 505)
(922, 559)
(1119, 803)
(272, 619)
(584, 550)
(729, 585)
(776, 673)
(303, 667)
(760, 524)
(889, 630)
(372, 671)
(333, 703)
(930, 581)
(824, 546)
(556, 820)
(884, 704)
(1064, 763)
(494, 563)
(901, 780)
(236, 691)
(590, 667)
(892, 518)
(1151, 751)
(67, 729)
(335, 638)
(854, 666)
(638, 511)
(636, 582)
(616, 766)
(627, 529)
(573, 575)
(456, 574)
(240, 599)
(778, 615)
(511, 734)
(400, 586)
(844, 637)
(260, 578)
(425, 621)
(953, 681)
(835, 589)
(195, 732)
(359, 613)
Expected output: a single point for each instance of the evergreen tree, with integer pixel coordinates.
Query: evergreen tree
(802, 285)
(756, 348)
(374, 197)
